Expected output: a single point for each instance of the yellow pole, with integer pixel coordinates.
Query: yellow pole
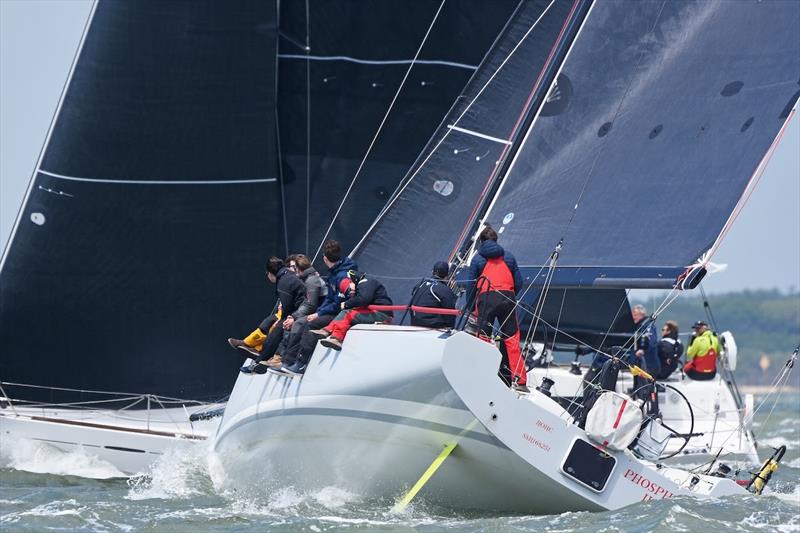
(403, 503)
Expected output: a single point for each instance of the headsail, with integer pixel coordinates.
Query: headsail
(671, 108)
(442, 194)
(160, 175)
(142, 242)
(333, 97)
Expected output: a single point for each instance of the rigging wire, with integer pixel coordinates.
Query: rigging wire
(308, 125)
(419, 168)
(278, 137)
(380, 127)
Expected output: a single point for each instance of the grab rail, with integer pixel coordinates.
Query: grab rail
(416, 309)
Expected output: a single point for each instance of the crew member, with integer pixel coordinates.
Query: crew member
(297, 356)
(670, 349)
(701, 356)
(497, 282)
(433, 292)
(362, 293)
(291, 293)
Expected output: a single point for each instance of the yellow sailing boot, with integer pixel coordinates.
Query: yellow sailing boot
(252, 344)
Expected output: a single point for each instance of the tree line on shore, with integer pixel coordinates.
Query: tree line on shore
(765, 324)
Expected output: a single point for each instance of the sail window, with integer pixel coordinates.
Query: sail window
(38, 219)
(732, 88)
(747, 124)
(443, 187)
(655, 131)
(604, 129)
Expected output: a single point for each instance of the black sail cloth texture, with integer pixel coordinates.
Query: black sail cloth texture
(164, 184)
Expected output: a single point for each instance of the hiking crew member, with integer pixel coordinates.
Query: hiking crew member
(670, 349)
(294, 323)
(291, 293)
(497, 282)
(362, 293)
(434, 292)
(254, 343)
(701, 357)
(296, 357)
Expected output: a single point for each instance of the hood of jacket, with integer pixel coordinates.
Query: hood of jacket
(491, 250)
(342, 265)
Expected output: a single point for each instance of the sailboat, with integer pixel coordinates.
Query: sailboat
(576, 140)
(192, 140)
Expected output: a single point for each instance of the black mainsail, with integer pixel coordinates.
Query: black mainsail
(673, 106)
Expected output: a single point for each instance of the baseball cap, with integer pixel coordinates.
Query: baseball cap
(698, 324)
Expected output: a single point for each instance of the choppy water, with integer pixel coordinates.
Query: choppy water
(42, 489)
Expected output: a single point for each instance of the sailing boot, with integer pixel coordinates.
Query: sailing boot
(251, 345)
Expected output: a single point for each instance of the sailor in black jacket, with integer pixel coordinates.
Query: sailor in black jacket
(362, 292)
(291, 293)
(434, 292)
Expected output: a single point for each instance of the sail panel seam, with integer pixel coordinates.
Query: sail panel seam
(158, 182)
(350, 59)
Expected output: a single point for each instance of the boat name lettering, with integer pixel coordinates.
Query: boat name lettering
(544, 426)
(536, 442)
(656, 489)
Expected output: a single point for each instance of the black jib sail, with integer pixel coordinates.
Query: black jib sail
(671, 108)
(334, 96)
(442, 195)
(180, 150)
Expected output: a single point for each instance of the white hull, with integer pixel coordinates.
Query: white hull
(370, 420)
(131, 441)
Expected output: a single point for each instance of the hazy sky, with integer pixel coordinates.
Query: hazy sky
(38, 39)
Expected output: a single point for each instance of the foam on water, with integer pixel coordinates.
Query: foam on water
(181, 472)
(41, 458)
(777, 441)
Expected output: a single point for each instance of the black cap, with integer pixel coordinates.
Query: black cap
(441, 269)
(698, 324)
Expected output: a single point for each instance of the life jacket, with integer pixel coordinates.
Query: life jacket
(706, 363)
(498, 276)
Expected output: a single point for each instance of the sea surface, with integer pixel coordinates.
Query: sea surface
(42, 489)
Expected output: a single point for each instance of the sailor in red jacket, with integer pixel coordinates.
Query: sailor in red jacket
(497, 282)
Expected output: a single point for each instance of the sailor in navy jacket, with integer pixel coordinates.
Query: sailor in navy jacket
(489, 250)
(332, 303)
